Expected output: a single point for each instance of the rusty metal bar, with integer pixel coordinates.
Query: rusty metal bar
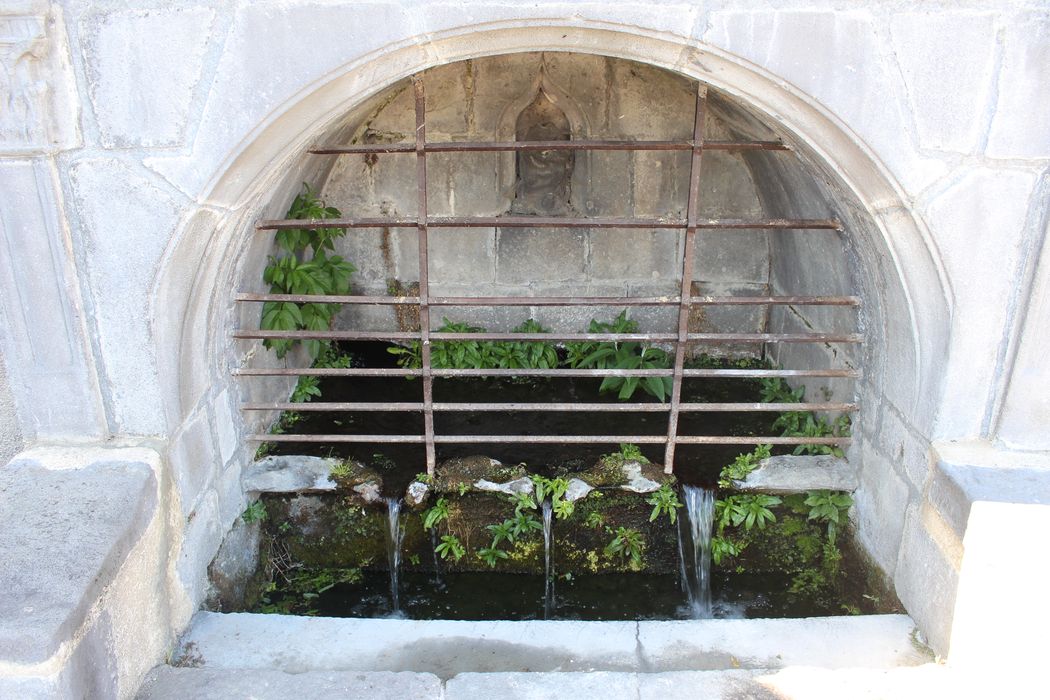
(424, 274)
(549, 222)
(692, 207)
(571, 337)
(553, 373)
(328, 299)
(559, 439)
(580, 145)
(626, 222)
(366, 222)
(556, 301)
(325, 372)
(610, 407)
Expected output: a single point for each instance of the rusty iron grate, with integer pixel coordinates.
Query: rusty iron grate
(680, 339)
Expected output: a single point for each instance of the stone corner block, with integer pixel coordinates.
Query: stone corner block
(67, 525)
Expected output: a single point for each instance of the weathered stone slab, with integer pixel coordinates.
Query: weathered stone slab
(442, 647)
(290, 474)
(798, 473)
(169, 683)
(863, 641)
(64, 534)
(449, 647)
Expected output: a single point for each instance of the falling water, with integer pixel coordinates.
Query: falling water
(438, 582)
(393, 514)
(700, 512)
(548, 586)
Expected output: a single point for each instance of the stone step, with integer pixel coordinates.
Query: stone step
(446, 648)
(930, 680)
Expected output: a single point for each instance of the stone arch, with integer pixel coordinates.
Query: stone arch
(909, 306)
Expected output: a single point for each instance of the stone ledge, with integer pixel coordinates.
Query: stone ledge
(798, 473)
(68, 519)
(968, 472)
(449, 647)
(168, 683)
(290, 474)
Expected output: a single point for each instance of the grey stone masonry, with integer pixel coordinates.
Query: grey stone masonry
(64, 533)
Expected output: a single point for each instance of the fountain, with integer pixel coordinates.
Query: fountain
(700, 513)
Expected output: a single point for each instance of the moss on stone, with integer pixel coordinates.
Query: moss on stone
(459, 475)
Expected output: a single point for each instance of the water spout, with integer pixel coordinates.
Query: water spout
(438, 581)
(700, 514)
(393, 514)
(548, 580)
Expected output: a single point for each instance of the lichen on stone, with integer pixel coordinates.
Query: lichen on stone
(459, 475)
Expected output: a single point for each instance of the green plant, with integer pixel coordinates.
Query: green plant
(621, 355)
(664, 500)
(255, 512)
(305, 268)
(502, 531)
(802, 423)
(476, 354)
(435, 514)
(628, 543)
(563, 509)
(305, 389)
(632, 453)
(523, 523)
(522, 502)
(828, 507)
(450, 547)
(595, 520)
(723, 548)
(423, 478)
(745, 510)
(555, 489)
(742, 466)
(492, 555)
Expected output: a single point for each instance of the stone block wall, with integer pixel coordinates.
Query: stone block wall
(603, 98)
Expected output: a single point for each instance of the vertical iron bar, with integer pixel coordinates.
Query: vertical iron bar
(424, 273)
(692, 211)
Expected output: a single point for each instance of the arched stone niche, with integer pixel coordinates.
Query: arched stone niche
(891, 262)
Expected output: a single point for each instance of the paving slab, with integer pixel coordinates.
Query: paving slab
(64, 533)
(168, 683)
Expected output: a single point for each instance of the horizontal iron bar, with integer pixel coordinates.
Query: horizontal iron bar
(776, 337)
(699, 373)
(626, 222)
(366, 222)
(328, 298)
(570, 337)
(767, 373)
(548, 407)
(547, 222)
(759, 440)
(556, 301)
(559, 439)
(325, 372)
(581, 145)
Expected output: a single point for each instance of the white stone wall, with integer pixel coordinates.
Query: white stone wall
(140, 140)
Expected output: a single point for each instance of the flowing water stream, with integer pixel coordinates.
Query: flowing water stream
(700, 514)
(393, 514)
(548, 587)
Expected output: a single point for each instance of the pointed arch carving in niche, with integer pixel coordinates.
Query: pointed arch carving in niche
(543, 179)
